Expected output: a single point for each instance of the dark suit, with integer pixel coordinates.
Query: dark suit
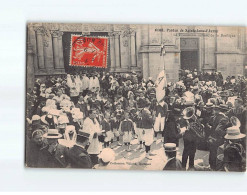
(171, 132)
(219, 124)
(56, 158)
(33, 154)
(190, 142)
(79, 158)
(173, 164)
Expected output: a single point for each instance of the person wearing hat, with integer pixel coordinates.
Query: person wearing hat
(240, 112)
(78, 156)
(198, 97)
(33, 149)
(35, 122)
(150, 81)
(189, 97)
(171, 132)
(62, 123)
(172, 163)
(188, 81)
(234, 159)
(190, 137)
(219, 122)
(233, 138)
(50, 120)
(147, 126)
(106, 156)
(160, 118)
(55, 154)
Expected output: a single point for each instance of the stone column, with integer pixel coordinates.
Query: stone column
(46, 45)
(55, 35)
(112, 51)
(145, 55)
(117, 50)
(30, 66)
(40, 48)
(125, 51)
(133, 48)
(60, 49)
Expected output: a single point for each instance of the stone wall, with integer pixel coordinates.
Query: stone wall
(138, 48)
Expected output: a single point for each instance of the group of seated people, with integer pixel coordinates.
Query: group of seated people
(79, 119)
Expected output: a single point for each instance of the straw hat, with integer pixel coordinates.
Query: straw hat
(170, 147)
(52, 134)
(234, 133)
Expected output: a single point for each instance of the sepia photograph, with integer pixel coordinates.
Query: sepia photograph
(136, 97)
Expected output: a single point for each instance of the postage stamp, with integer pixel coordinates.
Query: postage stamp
(88, 51)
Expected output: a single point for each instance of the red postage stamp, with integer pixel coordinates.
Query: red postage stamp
(88, 51)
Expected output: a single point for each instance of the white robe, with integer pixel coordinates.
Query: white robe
(85, 83)
(90, 127)
(78, 83)
(93, 83)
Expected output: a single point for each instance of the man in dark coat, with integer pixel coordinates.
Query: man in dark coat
(171, 132)
(190, 137)
(54, 154)
(172, 163)
(34, 148)
(219, 124)
(240, 112)
(77, 155)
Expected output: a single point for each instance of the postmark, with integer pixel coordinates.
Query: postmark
(88, 51)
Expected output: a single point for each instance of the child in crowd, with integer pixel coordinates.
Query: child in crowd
(106, 126)
(115, 123)
(127, 129)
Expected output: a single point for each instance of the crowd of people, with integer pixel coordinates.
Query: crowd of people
(76, 120)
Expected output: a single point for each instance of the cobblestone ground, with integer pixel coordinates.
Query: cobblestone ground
(135, 159)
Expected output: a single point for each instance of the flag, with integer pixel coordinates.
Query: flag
(161, 84)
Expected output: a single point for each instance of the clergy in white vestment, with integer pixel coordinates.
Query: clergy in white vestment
(92, 127)
(94, 83)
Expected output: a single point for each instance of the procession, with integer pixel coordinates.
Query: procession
(92, 119)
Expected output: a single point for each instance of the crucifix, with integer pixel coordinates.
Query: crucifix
(163, 52)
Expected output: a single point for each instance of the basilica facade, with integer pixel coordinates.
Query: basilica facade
(145, 49)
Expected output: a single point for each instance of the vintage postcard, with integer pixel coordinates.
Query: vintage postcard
(136, 97)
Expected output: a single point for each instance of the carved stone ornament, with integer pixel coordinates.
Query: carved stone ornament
(56, 33)
(111, 34)
(46, 43)
(126, 33)
(116, 34)
(70, 27)
(99, 27)
(126, 43)
(41, 30)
